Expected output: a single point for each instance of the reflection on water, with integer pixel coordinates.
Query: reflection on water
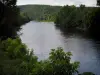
(43, 36)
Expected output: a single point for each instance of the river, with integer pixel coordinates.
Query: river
(43, 36)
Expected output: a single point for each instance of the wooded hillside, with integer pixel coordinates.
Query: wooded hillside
(40, 12)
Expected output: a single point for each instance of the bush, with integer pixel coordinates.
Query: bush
(17, 60)
(58, 63)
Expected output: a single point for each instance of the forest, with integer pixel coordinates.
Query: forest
(17, 59)
(40, 12)
(79, 19)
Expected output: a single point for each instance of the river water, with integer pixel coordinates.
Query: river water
(43, 36)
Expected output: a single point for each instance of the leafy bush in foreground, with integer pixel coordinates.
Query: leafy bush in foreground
(58, 63)
(17, 59)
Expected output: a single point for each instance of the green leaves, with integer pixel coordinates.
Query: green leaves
(79, 19)
(58, 63)
(59, 54)
(17, 59)
(40, 12)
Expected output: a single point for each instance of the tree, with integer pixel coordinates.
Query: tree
(10, 19)
(82, 6)
(9, 2)
(16, 58)
(98, 2)
(58, 63)
(9, 15)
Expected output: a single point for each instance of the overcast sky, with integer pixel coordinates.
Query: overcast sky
(58, 2)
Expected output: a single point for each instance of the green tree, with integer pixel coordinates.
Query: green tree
(58, 63)
(16, 58)
(79, 19)
(40, 12)
(10, 19)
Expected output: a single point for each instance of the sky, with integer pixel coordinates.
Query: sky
(58, 2)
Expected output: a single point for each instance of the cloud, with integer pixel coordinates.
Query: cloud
(58, 2)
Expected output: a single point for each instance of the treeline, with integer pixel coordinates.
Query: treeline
(24, 18)
(40, 12)
(81, 19)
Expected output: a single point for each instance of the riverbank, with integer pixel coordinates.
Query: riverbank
(45, 21)
(69, 20)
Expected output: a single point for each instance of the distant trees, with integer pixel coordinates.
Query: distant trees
(69, 17)
(84, 19)
(40, 12)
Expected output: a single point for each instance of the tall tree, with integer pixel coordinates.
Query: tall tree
(9, 19)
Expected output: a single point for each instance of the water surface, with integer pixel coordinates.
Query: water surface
(43, 36)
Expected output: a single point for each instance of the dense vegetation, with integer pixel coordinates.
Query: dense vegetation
(17, 59)
(10, 19)
(40, 12)
(81, 19)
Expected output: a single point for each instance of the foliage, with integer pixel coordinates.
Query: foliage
(23, 18)
(94, 29)
(58, 63)
(40, 12)
(10, 19)
(17, 60)
(84, 19)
